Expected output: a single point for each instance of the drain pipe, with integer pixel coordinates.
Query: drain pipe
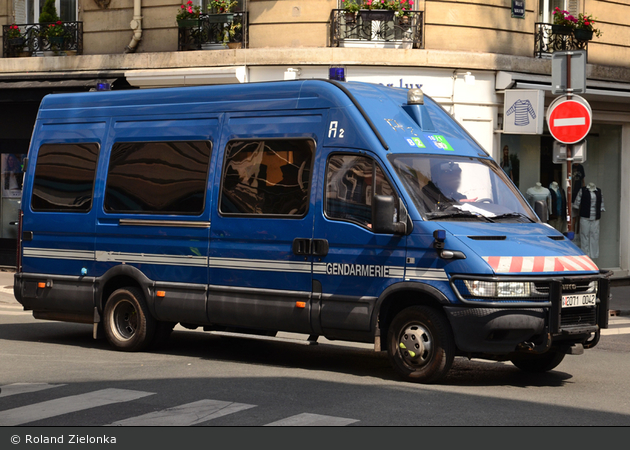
(136, 26)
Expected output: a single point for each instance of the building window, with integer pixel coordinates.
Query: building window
(66, 10)
(350, 188)
(64, 177)
(158, 177)
(267, 177)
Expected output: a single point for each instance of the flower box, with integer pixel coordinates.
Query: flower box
(221, 18)
(17, 42)
(188, 23)
(561, 30)
(583, 35)
(377, 14)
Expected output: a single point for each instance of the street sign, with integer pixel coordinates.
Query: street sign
(559, 154)
(563, 63)
(569, 119)
(518, 9)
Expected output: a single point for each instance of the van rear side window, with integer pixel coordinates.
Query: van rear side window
(158, 177)
(267, 177)
(64, 177)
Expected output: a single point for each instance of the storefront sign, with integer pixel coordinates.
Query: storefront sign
(524, 111)
(518, 9)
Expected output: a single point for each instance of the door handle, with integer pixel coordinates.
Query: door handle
(302, 246)
(320, 247)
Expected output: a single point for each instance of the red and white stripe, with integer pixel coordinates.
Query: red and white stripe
(538, 264)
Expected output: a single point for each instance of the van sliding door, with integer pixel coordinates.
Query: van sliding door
(262, 225)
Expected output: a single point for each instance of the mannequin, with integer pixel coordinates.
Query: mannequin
(539, 193)
(558, 215)
(590, 204)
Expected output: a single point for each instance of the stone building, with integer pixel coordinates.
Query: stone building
(466, 54)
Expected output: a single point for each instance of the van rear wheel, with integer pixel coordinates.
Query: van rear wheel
(421, 345)
(128, 324)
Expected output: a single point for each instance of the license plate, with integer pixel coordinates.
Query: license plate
(571, 301)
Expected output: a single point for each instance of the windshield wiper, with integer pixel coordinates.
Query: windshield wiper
(510, 215)
(455, 214)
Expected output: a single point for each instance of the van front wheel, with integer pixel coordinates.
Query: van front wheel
(128, 324)
(421, 345)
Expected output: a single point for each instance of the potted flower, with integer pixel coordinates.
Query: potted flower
(401, 9)
(188, 15)
(221, 11)
(585, 28)
(14, 37)
(56, 34)
(376, 10)
(351, 7)
(563, 22)
(230, 35)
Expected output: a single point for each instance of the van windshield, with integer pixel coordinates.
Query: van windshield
(461, 188)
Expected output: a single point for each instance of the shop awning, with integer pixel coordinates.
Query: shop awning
(187, 76)
(605, 91)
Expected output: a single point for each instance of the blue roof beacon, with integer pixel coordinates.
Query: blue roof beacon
(339, 209)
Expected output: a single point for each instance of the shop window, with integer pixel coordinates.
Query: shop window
(267, 177)
(64, 177)
(157, 177)
(350, 182)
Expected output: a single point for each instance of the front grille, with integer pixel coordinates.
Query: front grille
(579, 287)
(571, 317)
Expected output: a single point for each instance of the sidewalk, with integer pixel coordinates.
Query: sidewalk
(619, 304)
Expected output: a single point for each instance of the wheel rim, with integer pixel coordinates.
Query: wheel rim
(415, 345)
(125, 320)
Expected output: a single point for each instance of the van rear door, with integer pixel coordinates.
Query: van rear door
(262, 227)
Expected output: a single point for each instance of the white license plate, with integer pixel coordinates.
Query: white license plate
(571, 301)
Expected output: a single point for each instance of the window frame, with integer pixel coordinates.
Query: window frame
(65, 211)
(375, 163)
(267, 216)
(158, 213)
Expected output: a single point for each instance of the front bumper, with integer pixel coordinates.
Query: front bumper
(500, 327)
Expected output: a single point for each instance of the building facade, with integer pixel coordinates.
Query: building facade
(469, 55)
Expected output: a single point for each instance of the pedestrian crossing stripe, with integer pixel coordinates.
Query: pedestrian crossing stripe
(185, 415)
(312, 420)
(23, 388)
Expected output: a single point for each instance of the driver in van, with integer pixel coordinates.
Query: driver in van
(441, 190)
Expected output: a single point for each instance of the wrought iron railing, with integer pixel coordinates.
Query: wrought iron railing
(551, 38)
(34, 39)
(376, 28)
(214, 31)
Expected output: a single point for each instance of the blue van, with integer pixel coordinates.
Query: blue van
(351, 211)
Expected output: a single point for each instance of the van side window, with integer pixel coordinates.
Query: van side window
(64, 177)
(157, 177)
(350, 182)
(267, 177)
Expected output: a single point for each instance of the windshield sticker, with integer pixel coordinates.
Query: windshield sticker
(440, 142)
(415, 142)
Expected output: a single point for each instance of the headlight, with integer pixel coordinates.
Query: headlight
(508, 289)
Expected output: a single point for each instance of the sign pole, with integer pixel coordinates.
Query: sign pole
(569, 156)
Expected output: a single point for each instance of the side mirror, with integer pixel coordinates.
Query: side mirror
(385, 218)
(540, 208)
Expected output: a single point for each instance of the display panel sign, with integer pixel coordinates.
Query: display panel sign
(524, 111)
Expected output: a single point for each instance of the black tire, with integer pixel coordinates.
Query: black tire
(128, 324)
(421, 347)
(538, 363)
(163, 332)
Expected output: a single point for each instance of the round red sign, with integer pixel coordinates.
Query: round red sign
(569, 120)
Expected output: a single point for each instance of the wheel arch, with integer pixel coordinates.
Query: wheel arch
(400, 296)
(122, 276)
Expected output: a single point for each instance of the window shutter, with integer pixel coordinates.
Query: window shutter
(573, 6)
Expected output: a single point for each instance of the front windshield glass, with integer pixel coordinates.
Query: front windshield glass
(460, 188)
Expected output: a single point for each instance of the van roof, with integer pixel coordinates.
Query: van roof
(376, 106)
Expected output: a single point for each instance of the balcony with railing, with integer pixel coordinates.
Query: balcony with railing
(376, 28)
(37, 39)
(214, 32)
(550, 38)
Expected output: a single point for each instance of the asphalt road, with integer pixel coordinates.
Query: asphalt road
(55, 374)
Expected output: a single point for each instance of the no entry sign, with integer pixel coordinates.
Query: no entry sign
(569, 120)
